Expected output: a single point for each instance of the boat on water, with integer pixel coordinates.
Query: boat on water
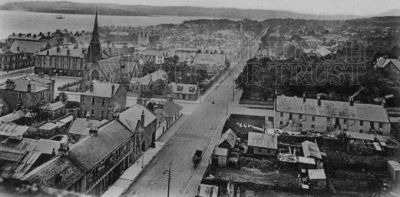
(60, 17)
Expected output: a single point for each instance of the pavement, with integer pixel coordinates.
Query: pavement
(201, 131)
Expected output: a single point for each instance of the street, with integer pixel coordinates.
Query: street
(201, 131)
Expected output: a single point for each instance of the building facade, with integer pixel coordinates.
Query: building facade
(66, 61)
(27, 92)
(102, 100)
(318, 115)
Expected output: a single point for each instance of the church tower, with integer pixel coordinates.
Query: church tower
(94, 51)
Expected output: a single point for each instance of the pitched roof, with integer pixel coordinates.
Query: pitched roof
(81, 126)
(53, 106)
(74, 51)
(159, 74)
(102, 89)
(93, 149)
(311, 149)
(21, 85)
(230, 137)
(131, 116)
(395, 62)
(12, 129)
(183, 88)
(316, 174)
(171, 108)
(340, 109)
(27, 46)
(46, 173)
(262, 140)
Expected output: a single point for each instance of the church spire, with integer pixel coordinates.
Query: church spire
(94, 47)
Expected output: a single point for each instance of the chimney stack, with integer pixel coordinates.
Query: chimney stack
(142, 118)
(304, 97)
(93, 132)
(112, 89)
(58, 49)
(319, 100)
(68, 52)
(29, 87)
(351, 101)
(91, 86)
(63, 150)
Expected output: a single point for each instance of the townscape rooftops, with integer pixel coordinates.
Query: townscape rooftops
(28, 46)
(46, 173)
(316, 174)
(93, 149)
(63, 51)
(394, 164)
(183, 88)
(339, 109)
(53, 106)
(21, 85)
(262, 140)
(102, 89)
(230, 137)
(12, 116)
(11, 129)
(171, 108)
(395, 62)
(81, 126)
(151, 78)
(311, 149)
(131, 116)
(221, 151)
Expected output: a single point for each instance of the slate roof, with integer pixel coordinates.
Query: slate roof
(22, 86)
(230, 137)
(339, 109)
(102, 89)
(46, 173)
(63, 51)
(12, 129)
(131, 116)
(262, 140)
(311, 149)
(28, 46)
(53, 106)
(93, 149)
(171, 108)
(152, 77)
(183, 88)
(81, 126)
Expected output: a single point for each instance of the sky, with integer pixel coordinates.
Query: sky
(324, 7)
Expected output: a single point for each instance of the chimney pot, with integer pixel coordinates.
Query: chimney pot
(142, 118)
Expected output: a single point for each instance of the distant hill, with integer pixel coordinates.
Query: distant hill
(391, 13)
(141, 10)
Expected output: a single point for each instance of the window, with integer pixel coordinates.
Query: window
(280, 123)
(380, 125)
(371, 124)
(290, 116)
(361, 130)
(345, 121)
(361, 123)
(92, 112)
(83, 100)
(92, 101)
(313, 126)
(300, 116)
(313, 118)
(42, 95)
(102, 114)
(281, 114)
(328, 119)
(103, 102)
(19, 95)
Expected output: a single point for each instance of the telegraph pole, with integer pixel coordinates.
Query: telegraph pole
(169, 179)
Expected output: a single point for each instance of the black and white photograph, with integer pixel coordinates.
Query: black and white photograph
(199, 98)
